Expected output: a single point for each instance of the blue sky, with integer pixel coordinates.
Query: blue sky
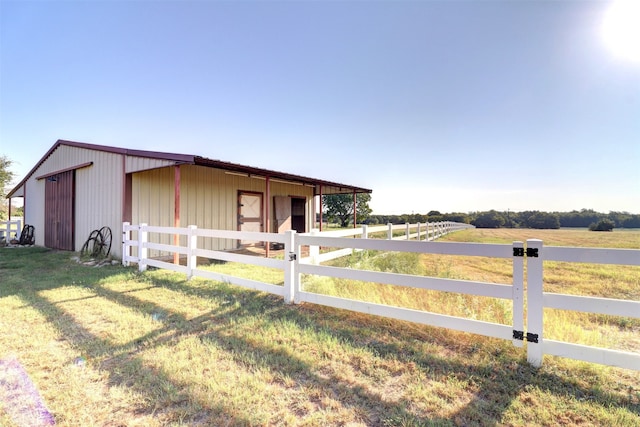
(435, 105)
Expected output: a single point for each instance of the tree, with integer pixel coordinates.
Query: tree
(339, 207)
(541, 220)
(491, 219)
(6, 176)
(603, 225)
(434, 216)
(456, 217)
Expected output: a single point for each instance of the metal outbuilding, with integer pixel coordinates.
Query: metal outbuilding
(78, 187)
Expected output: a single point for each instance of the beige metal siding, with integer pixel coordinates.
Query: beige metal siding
(152, 202)
(34, 207)
(138, 164)
(209, 199)
(98, 200)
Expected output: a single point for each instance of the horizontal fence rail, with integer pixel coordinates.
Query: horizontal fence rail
(10, 230)
(420, 231)
(386, 238)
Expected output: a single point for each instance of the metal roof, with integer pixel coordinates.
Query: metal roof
(321, 186)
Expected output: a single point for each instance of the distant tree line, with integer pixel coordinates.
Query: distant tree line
(585, 218)
(338, 208)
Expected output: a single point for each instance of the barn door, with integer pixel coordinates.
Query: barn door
(249, 214)
(59, 207)
(283, 213)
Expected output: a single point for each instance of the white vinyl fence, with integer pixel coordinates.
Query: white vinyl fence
(293, 266)
(420, 231)
(10, 229)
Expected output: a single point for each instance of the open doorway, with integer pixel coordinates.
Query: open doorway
(290, 213)
(298, 220)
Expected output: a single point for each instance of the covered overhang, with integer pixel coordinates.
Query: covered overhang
(16, 192)
(320, 186)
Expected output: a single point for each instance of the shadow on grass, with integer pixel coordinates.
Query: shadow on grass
(497, 388)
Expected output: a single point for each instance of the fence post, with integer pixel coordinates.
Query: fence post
(126, 252)
(364, 235)
(390, 231)
(18, 230)
(291, 276)
(518, 294)
(534, 302)
(192, 245)
(418, 239)
(142, 247)
(314, 250)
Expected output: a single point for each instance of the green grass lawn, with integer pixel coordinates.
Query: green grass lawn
(113, 347)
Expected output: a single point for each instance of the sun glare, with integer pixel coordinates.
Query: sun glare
(621, 29)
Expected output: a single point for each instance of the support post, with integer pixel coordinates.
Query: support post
(355, 209)
(126, 249)
(535, 304)
(176, 210)
(267, 207)
(389, 231)
(192, 245)
(408, 230)
(142, 247)
(321, 208)
(518, 294)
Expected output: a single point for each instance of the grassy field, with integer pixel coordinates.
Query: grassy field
(112, 347)
(569, 278)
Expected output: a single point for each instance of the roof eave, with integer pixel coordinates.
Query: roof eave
(254, 171)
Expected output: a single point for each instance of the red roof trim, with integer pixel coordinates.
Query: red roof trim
(83, 165)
